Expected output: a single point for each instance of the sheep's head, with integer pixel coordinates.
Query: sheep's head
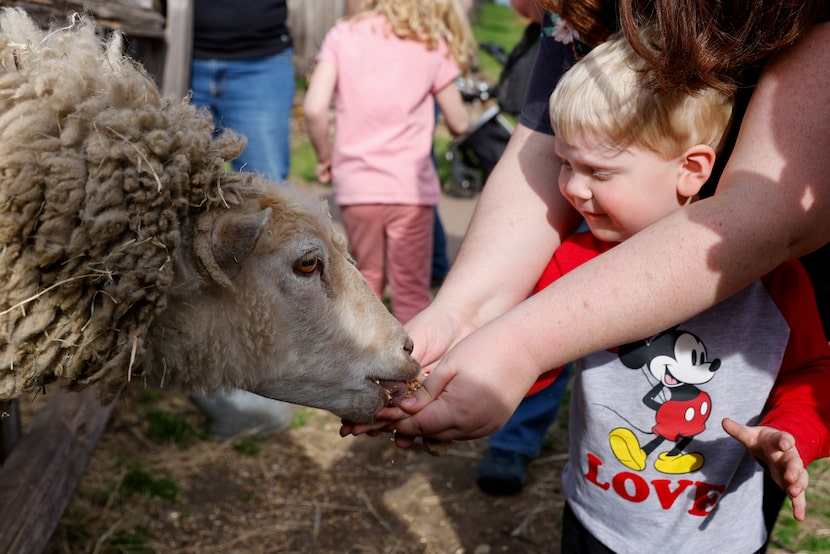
(117, 217)
(273, 303)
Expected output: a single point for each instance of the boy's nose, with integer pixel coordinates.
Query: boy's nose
(577, 186)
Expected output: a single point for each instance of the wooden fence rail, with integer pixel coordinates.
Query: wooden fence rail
(40, 474)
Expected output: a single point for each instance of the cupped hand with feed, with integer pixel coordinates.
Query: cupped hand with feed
(386, 417)
(434, 331)
(472, 392)
(776, 450)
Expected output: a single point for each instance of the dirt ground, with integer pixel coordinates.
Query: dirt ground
(303, 490)
(157, 484)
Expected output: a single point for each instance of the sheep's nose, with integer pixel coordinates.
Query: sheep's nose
(408, 346)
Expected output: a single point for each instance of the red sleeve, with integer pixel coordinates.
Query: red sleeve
(800, 401)
(574, 251)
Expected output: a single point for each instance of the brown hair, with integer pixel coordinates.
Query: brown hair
(699, 44)
(694, 44)
(594, 20)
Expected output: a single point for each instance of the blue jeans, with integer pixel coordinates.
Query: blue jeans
(440, 260)
(254, 98)
(526, 429)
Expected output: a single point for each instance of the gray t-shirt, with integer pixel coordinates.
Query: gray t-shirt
(650, 463)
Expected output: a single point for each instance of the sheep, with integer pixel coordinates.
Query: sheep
(128, 251)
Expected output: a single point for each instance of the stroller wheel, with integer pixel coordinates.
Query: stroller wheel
(464, 182)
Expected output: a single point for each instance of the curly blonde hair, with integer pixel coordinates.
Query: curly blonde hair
(428, 21)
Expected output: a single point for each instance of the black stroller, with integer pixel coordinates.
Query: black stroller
(473, 155)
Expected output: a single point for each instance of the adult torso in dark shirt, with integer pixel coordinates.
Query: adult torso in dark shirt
(240, 29)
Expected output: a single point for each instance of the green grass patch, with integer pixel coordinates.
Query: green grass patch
(149, 395)
(130, 541)
(303, 161)
(813, 534)
(166, 428)
(73, 527)
(441, 145)
(248, 446)
(139, 481)
(301, 417)
(500, 25)
(73, 530)
(795, 536)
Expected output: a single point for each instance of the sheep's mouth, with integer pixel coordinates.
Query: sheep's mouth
(396, 391)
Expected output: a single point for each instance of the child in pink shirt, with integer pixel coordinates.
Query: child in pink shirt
(385, 68)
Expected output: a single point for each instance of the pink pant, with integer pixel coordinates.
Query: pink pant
(393, 242)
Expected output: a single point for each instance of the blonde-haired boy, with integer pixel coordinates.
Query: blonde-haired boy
(652, 463)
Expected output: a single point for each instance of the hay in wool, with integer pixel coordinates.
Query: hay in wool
(101, 183)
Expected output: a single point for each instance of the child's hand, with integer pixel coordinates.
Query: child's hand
(776, 450)
(323, 172)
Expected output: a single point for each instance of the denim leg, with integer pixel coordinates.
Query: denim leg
(440, 261)
(203, 74)
(254, 98)
(526, 429)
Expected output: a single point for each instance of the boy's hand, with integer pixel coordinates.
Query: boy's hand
(776, 450)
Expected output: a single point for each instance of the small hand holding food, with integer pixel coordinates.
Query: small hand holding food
(472, 392)
(431, 332)
(469, 393)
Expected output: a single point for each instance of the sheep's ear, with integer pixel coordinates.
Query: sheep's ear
(341, 244)
(235, 236)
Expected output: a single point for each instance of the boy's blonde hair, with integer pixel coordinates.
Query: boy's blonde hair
(428, 21)
(604, 97)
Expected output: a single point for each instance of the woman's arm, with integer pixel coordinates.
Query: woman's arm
(510, 239)
(772, 204)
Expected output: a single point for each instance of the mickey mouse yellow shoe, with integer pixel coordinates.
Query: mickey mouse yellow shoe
(679, 463)
(627, 449)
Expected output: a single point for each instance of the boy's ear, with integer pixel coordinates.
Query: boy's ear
(696, 168)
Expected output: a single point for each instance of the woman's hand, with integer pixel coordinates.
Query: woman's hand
(433, 332)
(469, 394)
(473, 391)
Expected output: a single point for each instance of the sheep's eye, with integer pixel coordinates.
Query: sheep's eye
(307, 264)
